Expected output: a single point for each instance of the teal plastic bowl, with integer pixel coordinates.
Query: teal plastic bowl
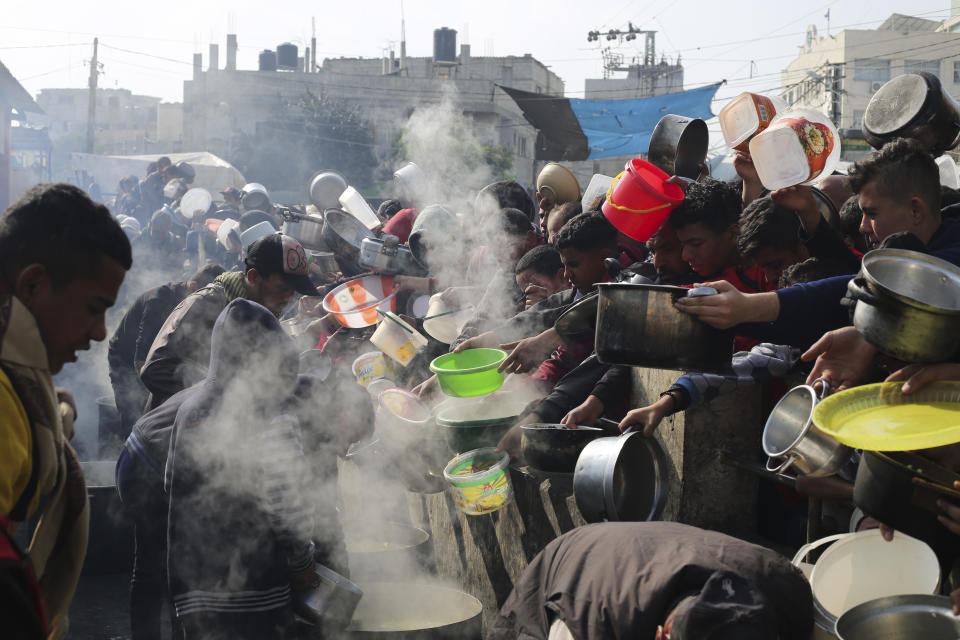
(469, 373)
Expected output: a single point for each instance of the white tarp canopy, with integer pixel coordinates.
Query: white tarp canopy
(213, 173)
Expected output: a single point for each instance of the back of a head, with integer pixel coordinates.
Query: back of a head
(60, 227)
(587, 232)
(389, 208)
(565, 212)
(715, 204)
(810, 270)
(206, 274)
(850, 216)
(255, 217)
(502, 195)
(508, 221)
(543, 259)
(764, 225)
(901, 170)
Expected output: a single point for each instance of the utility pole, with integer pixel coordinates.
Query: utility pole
(92, 105)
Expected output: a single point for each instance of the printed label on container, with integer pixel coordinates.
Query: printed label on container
(817, 142)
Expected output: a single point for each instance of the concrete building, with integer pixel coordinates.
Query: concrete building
(125, 123)
(838, 74)
(220, 103)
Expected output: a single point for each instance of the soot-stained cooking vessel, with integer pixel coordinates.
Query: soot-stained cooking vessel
(913, 105)
(621, 478)
(344, 235)
(638, 325)
(678, 145)
(555, 448)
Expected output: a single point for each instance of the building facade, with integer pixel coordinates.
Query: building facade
(220, 103)
(838, 74)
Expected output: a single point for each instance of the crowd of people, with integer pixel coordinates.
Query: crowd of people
(229, 471)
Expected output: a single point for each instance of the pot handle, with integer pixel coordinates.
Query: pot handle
(816, 544)
(824, 389)
(857, 288)
(774, 468)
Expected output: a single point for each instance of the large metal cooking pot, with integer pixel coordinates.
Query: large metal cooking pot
(898, 488)
(255, 197)
(908, 305)
(325, 189)
(638, 324)
(385, 550)
(415, 611)
(913, 105)
(678, 145)
(555, 448)
(110, 545)
(305, 228)
(621, 478)
(900, 618)
(790, 434)
(344, 235)
(387, 255)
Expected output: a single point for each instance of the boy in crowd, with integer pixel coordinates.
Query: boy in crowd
(540, 274)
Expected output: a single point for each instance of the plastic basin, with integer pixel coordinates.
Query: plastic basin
(401, 417)
(469, 373)
(480, 481)
(355, 303)
(472, 424)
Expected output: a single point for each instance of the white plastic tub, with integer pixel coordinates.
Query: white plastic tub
(397, 339)
(357, 206)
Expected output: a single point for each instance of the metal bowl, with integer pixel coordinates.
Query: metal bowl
(900, 618)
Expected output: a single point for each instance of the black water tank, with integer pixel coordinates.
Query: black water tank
(268, 60)
(444, 45)
(287, 56)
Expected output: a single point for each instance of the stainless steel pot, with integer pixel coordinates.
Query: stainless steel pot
(383, 550)
(791, 435)
(415, 611)
(325, 189)
(678, 145)
(908, 305)
(387, 255)
(638, 324)
(904, 617)
(255, 197)
(343, 235)
(305, 228)
(913, 105)
(621, 478)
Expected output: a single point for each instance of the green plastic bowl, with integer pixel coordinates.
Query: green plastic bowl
(469, 373)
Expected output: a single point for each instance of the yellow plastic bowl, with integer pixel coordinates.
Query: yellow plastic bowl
(878, 417)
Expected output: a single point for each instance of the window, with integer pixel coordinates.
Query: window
(956, 72)
(916, 66)
(857, 118)
(871, 70)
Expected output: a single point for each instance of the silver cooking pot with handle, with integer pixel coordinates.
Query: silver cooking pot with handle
(908, 305)
(621, 478)
(790, 435)
(307, 228)
(325, 189)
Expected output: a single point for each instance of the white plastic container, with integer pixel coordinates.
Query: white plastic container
(598, 186)
(372, 366)
(196, 199)
(444, 323)
(254, 233)
(949, 176)
(226, 227)
(862, 566)
(797, 148)
(357, 206)
(397, 339)
(747, 115)
(401, 417)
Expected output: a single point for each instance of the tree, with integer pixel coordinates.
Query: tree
(308, 133)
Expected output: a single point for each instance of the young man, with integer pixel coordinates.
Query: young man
(62, 260)
(135, 334)
(540, 274)
(276, 266)
(241, 515)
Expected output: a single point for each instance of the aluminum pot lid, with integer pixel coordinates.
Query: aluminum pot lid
(325, 189)
(896, 104)
(917, 278)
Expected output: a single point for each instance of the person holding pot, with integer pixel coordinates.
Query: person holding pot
(276, 267)
(656, 581)
(898, 191)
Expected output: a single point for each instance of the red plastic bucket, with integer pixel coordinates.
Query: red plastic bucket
(640, 199)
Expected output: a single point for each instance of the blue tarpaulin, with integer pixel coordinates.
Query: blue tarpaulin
(624, 127)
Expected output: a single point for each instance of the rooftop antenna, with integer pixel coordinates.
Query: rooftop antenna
(313, 45)
(403, 40)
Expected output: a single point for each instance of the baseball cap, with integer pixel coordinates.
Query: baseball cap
(279, 253)
(232, 191)
(729, 607)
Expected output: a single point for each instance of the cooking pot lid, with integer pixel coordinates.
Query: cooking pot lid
(896, 104)
(916, 276)
(579, 319)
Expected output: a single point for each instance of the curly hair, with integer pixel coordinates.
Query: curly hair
(715, 204)
(587, 232)
(765, 225)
